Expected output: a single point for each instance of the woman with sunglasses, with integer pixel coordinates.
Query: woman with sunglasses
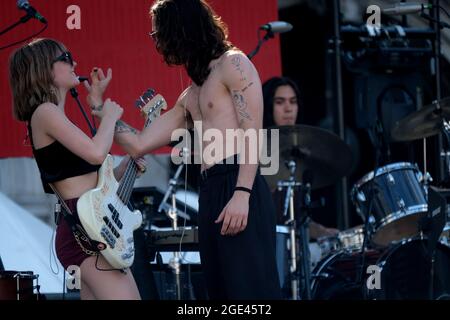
(41, 74)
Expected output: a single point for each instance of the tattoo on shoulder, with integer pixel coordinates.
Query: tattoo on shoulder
(215, 66)
(236, 62)
(122, 127)
(241, 106)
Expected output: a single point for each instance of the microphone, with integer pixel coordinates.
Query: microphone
(406, 8)
(277, 27)
(82, 79)
(25, 5)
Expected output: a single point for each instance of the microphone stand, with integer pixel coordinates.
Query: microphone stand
(269, 35)
(24, 19)
(74, 94)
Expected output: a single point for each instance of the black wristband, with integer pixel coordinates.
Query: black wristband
(243, 189)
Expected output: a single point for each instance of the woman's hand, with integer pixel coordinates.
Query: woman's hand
(109, 109)
(98, 86)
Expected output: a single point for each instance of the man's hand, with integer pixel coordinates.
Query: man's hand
(120, 169)
(98, 86)
(235, 214)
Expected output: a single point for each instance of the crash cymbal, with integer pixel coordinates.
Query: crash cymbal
(315, 150)
(424, 123)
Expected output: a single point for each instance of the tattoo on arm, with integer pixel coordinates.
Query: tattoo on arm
(247, 86)
(236, 62)
(122, 127)
(241, 106)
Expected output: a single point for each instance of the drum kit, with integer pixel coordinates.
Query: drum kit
(393, 201)
(18, 285)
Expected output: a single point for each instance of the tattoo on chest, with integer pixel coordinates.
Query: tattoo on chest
(122, 127)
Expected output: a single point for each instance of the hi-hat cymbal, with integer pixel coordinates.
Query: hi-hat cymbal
(424, 123)
(318, 151)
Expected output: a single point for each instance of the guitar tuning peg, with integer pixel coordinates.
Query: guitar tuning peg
(139, 104)
(146, 96)
(151, 92)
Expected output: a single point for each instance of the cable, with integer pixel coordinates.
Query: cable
(99, 269)
(445, 11)
(32, 36)
(64, 286)
(53, 255)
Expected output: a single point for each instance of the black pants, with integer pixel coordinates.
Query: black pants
(241, 267)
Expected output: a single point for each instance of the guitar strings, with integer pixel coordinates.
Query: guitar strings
(126, 183)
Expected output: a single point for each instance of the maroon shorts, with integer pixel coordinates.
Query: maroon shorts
(68, 250)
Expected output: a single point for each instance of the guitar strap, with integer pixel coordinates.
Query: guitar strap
(88, 245)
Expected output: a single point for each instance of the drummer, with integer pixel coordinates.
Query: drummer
(281, 106)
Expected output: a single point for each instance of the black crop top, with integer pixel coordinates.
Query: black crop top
(56, 162)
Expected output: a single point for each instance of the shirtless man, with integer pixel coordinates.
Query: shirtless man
(236, 214)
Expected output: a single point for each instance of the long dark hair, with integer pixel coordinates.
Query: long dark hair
(189, 33)
(269, 88)
(30, 76)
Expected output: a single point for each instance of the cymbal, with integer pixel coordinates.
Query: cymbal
(315, 150)
(424, 123)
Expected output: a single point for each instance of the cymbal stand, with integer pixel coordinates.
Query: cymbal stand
(446, 134)
(292, 226)
(172, 213)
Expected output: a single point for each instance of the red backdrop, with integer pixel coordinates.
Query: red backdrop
(114, 33)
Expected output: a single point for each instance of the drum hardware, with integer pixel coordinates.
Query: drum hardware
(172, 212)
(381, 144)
(309, 154)
(432, 227)
(292, 226)
(298, 225)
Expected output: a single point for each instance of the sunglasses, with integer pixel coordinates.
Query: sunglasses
(65, 57)
(153, 35)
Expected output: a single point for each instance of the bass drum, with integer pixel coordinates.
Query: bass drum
(337, 276)
(406, 271)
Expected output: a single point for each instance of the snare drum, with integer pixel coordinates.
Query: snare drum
(18, 285)
(396, 200)
(352, 239)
